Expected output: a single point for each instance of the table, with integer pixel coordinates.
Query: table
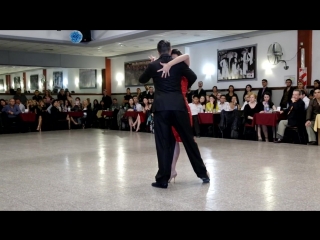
(316, 127)
(205, 118)
(269, 119)
(28, 117)
(132, 114)
(106, 113)
(73, 114)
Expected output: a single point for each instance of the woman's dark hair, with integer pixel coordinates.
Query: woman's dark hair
(246, 92)
(215, 100)
(317, 81)
(68, 92)
(176, 51)
(95, 101)
(229, 88)
(269, 102)
(69, 103)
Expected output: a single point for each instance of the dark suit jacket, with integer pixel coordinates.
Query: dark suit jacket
(201, 93)
(168, 94)
(259, 97)
(289, 95)
(296, 113)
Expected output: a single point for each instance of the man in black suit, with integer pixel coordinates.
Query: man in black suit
(287, 94)
(263, 90)
(200, 91)
(169, 110)
(295, 115)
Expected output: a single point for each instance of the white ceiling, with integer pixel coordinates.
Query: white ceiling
(121, 45)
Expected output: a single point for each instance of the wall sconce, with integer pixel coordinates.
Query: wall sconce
(119, 78)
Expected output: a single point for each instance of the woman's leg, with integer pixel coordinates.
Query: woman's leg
(39, 123)
(265, 132)
(174, 161)
(130, 123)
(139, 122)
(259, 132)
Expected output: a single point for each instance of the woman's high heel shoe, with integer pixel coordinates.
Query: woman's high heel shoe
(173, 176)
(38, 129)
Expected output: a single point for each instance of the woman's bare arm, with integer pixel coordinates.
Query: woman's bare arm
(166, 66)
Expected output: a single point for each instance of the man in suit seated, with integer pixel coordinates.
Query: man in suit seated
(312, 111)
(10, 114)
(295, 115)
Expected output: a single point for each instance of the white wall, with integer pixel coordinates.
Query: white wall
(2, 90)
(205, 54)
(315, 55)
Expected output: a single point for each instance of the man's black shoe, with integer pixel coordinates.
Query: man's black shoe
(159, 185)
(205, 180)
(312, 143)
(278, 141)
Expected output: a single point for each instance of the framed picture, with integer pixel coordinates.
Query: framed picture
(237, 63)
(34, 82)
(87, 78)
(57, 82)
(1, 84)
(16, 83)
(133, 70)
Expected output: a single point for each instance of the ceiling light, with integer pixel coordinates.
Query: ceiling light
(99, 47)
(183, 33)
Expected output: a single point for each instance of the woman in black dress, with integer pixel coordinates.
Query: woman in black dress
(40, 111)
(251, 108)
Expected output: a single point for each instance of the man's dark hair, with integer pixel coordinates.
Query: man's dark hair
(176, 51)
(164, 47)
(289, 80)
(303, 92)
(265, 80)
(115, 99)
(195, 96)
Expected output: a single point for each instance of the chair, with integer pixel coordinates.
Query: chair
(295, 135)
(250, 129)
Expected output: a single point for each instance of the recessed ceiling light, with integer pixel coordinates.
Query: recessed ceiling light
(183, 33)
(99, 47)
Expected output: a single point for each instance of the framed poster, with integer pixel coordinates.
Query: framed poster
(87, 78)
(34, 82)
(237, 63)
(16, 83)
(57, 82)
(133, 71)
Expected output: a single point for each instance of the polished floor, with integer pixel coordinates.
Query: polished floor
(96, 170)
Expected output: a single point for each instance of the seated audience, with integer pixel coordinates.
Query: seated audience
(212, 104)
(295, 115)
(312, 111)
(10, 114)
(195, 108)
(223, 104)
(261, 105)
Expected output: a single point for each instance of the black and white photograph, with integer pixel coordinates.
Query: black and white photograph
(34, 82)
(1, 84)
(87, 78)
(133, 71)
(57, 82)
(16, 83)
(237, 63)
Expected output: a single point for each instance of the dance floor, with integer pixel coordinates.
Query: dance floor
(93, 169)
